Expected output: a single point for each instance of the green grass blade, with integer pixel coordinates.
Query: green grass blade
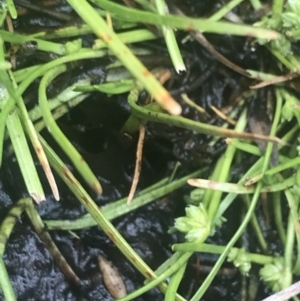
(18, 39)
(170, 39)
(185, 23)
(5, 283)
(11, 8)
(81, 166)
(120, 207)
(98, 216)
(124, 54)
(24, 157)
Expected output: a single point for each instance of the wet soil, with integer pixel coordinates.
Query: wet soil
(94, 128)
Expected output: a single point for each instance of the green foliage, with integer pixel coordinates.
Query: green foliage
(276, 275)
(195, 224)
(240, 259)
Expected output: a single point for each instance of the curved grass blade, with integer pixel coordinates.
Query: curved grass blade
(81, 166)
(157, 116)
(185, 23)
(18, 39)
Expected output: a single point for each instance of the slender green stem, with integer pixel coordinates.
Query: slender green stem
(256, 228)
(22, 74)
(200, 292)
(157, 116)
(174, 283)
(213, 249)
(124, 54)
(81, 166)
(224, 171)
(185, 23)
(133, 36)
(289, 245)
(241, 189)
(5, 283)
(37, 73)
(46, 238)
(168, 263)
(284, 60)
(277, 8)
(97, 214)
(256, 4)
(245, 147)
(293, 204)
(207, 197)
(225, 10)
(16, 38)
(231, 196)
(120, 207)
(61, 110)
(171, 270)
(289, 163)
(170, 39)
(277, 209)
(9, 223)
(198, 295)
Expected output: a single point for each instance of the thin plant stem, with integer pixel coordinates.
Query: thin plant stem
(240, 189)
(133, 36)
(46, 238)
(81, 166)
(277, 8)
(284, 60)
(170, 39)
(37, 73)
(224, 10)
(265, 163)
(214, 176)
(5, 283)
(289, 246)
(16, 38)
(224, 171)
(31, 132)
(174, 283)
(119, 208)
(208, 280)
(185, 23)
(255, 225)
(98, 216)
(277, 209)
(293, 205)
(256, 4)
(171, 270)
(255, 169)
(156, 116)
(124, 54)
(214, 249)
